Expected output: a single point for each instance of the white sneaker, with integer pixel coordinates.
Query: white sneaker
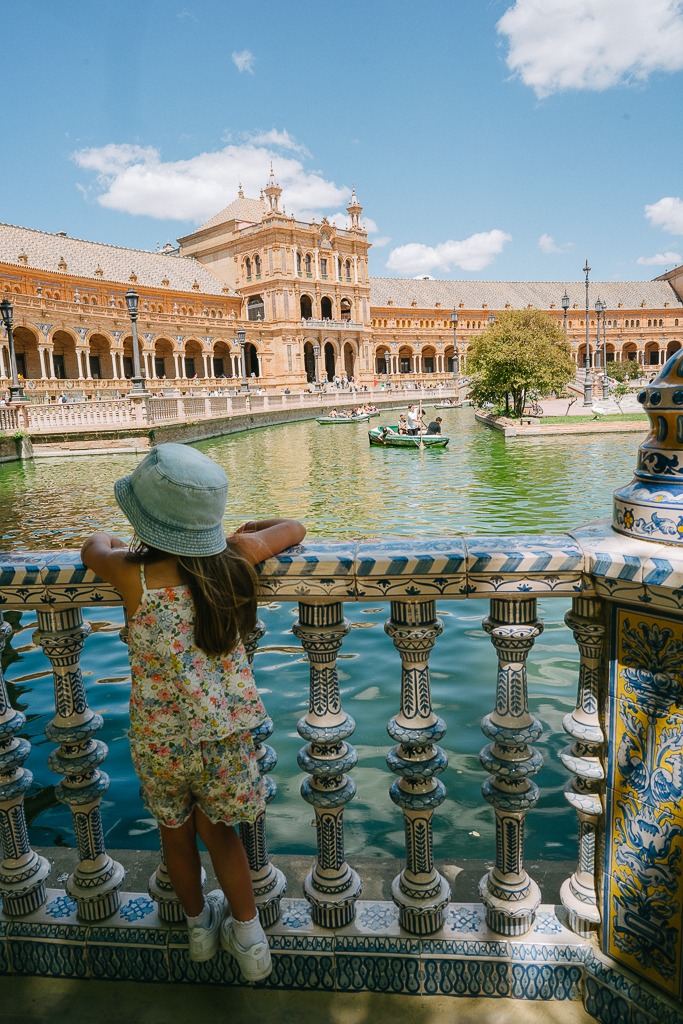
(254, 962)
(204, 941)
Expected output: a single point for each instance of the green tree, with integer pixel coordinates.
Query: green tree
(523, 351)
(630, 369)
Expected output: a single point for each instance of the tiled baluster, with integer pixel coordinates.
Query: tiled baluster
(583, 759)
(420, 892)
(22, 872)
(509, 894)
(332, 887)
(96, 881)
(269, 883)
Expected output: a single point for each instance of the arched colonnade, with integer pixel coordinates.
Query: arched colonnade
(421, 359)
(57, 354)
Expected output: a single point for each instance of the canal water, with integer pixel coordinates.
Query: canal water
(340, 487)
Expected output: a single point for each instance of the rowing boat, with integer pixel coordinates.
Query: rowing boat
(396, 440)
(448, 405)
(335, 420)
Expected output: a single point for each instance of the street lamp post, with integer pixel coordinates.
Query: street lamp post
(565, 307)
(241, 335)
(138, 381)
(588, 379)
(16, 391)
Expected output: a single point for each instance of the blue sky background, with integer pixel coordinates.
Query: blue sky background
(564, 124)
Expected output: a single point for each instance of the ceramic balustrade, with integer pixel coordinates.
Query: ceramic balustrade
(412, 574)
(270, 885)
(332, 887)
(95, 883)
(23, 871)
(510, 896)
(584, 759)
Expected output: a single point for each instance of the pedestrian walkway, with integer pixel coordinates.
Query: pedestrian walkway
(27, 1000)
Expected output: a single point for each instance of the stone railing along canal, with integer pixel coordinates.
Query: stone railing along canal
(133, 412)
(617, 939)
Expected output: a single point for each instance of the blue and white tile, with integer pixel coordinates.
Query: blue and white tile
(666, 598)
(550, 940)
(465, 933)
(611, 555)
(376, 929)
(523, 554)
(466, 978)
(545, 585)
(299, 971)
(547, 981)
(376, 973)
(314, 569)
(410, 567)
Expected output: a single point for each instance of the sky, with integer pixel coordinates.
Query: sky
(487, 139)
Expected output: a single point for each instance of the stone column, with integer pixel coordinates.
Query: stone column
(43, 370)
(96, 881)
(206, 368)
(177, 367)
(508, 893)
(583, 759)
(86, 363)
(115, 365)
(79, 353)
(22, 871)
(332, 887)
(420, 892)
(269, 883)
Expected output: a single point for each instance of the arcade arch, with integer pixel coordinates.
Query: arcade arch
(306, 307)
(330, 359)
(27, 354)
(99, 358)
(222, 363)
(164, 363)
(326, 307)
(64, 356)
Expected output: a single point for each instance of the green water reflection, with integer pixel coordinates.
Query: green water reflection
(340, 487)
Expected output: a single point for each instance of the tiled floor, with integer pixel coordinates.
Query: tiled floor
(60, 1001)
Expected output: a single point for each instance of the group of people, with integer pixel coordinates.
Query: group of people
(358, 410)
(413, 423)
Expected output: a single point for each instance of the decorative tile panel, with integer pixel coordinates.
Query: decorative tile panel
(643, 882)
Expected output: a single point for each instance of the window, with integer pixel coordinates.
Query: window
(675, 323)
(637, 323)
(308, 263)
(247, 266)
(323, 267)
(661, 323)
(256, 308)
(298, 263)
(649, 323)
(339, 268)
(257, 265)
(348, 270)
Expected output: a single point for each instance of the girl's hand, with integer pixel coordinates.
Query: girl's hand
(267, 537)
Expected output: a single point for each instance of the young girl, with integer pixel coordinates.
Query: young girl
(190, 595)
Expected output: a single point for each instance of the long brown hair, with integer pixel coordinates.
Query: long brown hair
(224, 590)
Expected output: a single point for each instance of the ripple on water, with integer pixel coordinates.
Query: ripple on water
(340, 487)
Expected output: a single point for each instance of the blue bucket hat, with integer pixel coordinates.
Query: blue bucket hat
(175, 501)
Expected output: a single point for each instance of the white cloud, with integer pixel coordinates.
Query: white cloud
(666, 214)
(135, 179)
(474, 253)
(591, 44)
(547, 244)
(662, 259)
(378, 243)
(275, 138)
(243, 61)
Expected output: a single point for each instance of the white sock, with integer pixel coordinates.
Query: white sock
(202, 920)
(248, 932)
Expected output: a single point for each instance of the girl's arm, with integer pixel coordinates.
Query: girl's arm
(106, 556)
(267, 537)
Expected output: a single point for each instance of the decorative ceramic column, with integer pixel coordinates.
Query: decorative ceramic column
(508, 893)
(420, 892)
(269, 883)
(22, 872)
(96, 881)
(332, 887)
(584, 760)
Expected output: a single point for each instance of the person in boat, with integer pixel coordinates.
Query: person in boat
(385, 432)
(435, 426)
(334, 414)
(402, 424)
(412, 421)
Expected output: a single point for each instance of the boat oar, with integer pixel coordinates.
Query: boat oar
(419, 427)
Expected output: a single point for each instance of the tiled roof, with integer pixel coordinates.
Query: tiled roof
(45, 252)
(252, 210)
(518, 293)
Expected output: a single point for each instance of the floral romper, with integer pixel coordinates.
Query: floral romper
(190, 716)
